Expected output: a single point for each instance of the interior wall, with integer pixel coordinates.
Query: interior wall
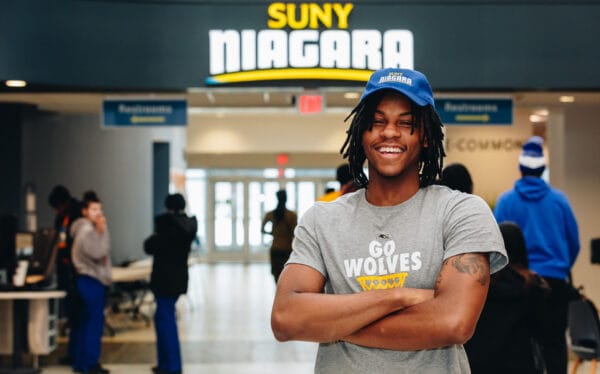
(311, 141)
(74, 150)
(490, 153)
(11, 193)
(480, 148)
(581, 183)
(266, 133)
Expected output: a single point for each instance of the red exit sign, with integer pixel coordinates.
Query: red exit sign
(309, 104)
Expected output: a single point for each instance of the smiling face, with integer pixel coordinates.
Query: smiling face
(391, 146)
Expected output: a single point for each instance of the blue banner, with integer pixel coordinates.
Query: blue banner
(124, 112)
(475, 111)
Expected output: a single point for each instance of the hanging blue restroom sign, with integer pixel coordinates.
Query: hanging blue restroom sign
(127, 112)
(475, 111)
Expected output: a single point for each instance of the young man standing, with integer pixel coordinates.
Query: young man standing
(393, 277)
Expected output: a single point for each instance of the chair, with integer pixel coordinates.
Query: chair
(131, 284)
(595, 250)
(584, 331)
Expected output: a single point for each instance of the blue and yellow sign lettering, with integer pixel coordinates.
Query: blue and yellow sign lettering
(308, 15)
(306, 41)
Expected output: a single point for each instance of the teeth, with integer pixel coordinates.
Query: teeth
(390, 149)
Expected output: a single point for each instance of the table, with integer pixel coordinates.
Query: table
(20, 301)
(130, 283)
(138, 271)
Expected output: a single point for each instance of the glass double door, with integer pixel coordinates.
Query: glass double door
(236, 209)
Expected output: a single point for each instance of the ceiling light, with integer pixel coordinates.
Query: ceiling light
(566, 99)
(16, 83)
(539, 115)
(351, 95)
(536, 118)
(210, 97)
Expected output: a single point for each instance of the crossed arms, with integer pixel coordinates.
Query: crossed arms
(398, 318)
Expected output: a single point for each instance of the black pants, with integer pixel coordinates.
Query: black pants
(554, 343)
(278, 259)
(70, 306)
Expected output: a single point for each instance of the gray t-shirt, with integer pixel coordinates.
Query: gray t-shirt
(358, 247)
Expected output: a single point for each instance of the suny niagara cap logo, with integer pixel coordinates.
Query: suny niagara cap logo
(383, 268)
(395, 77)
(306, 41)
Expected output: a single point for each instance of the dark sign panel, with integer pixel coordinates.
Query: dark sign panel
(126, 112)
(174, 45)
(305, 41)
(475, 111)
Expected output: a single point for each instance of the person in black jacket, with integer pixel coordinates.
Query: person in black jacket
(67, 209)
(506, 339)
(457, 177)
(170, 245)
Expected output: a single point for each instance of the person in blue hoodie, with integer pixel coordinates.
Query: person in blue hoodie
(550, 229)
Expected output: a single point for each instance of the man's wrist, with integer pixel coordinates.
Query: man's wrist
(405, 297)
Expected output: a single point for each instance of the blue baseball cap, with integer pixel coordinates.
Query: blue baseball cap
(410, 83)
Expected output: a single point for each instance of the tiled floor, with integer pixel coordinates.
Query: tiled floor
(223, 324)
(224, 328)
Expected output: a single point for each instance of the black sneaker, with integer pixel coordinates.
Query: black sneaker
(65, 360)
(99, 369)
(156, 370)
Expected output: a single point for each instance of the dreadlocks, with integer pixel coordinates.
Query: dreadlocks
(432, 157)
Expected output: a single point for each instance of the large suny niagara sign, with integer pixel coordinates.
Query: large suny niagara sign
(306, 41)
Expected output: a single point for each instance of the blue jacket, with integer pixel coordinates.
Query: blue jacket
(548, 224)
